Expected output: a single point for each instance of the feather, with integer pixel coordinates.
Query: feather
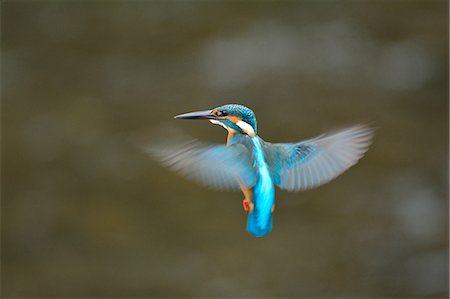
(216, 166)
(259, 222)
(314, 162)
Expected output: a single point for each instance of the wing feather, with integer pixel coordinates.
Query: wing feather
(216, 166)
(314, 162)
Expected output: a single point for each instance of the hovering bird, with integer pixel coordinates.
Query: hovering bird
(255, 166)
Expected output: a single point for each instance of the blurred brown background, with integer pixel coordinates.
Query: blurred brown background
(86, 214)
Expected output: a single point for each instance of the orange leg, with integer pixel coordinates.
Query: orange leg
(247, 202)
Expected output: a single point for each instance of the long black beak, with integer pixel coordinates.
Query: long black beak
(197, 115)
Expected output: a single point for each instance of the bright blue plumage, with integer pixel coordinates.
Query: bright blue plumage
(259, 222)
(255, 166)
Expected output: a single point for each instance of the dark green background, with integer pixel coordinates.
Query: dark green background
(85, 213)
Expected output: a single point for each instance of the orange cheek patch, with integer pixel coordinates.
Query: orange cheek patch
(234, 119)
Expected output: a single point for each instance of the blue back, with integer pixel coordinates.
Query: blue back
(259, 222)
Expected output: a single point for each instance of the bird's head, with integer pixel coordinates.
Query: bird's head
(232, 117)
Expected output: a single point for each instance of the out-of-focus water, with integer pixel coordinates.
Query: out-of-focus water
(85, 213)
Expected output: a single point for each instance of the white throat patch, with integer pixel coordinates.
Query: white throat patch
(245, 127)
(216, 122)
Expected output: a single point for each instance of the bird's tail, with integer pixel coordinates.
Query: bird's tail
(254, 227)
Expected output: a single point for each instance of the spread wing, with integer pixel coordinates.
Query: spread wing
(216, 166)
(314, 162)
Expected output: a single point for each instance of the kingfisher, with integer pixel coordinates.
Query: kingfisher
(255, 166)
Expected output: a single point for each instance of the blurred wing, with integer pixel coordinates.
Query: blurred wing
(216, 166)
(314, 162)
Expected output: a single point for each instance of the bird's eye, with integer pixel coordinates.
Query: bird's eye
(221, 113)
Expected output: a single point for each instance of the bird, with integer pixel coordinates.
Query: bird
(255, 166)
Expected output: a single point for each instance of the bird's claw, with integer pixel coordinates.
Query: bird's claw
(248, 205)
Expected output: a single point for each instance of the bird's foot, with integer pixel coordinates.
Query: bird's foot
(273, 208)
(248, 205)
